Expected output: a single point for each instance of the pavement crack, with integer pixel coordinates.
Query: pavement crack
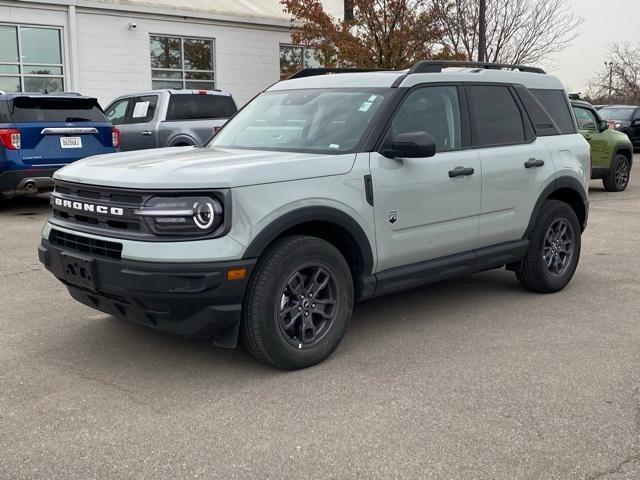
(634, 457)
(126, 392)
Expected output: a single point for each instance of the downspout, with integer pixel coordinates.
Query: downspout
(73, 48)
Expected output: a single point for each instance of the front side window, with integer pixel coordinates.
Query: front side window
(117, 112)
(30, 59)
(295, 57)
(496, 115)
(315, 120)
(586, 119)
(435, 110)
(182, 63)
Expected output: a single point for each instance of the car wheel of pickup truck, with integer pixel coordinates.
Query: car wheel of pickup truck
(554, 249)
(298, 304)
(617, 178)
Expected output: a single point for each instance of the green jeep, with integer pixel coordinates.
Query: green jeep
(611, 151)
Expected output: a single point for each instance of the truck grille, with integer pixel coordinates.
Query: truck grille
(82, 244)
(91, 209)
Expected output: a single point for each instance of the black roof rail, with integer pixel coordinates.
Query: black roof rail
(312, 72)
(436, 66)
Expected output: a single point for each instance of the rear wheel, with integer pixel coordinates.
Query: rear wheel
(554, 249)
(299, 303)
(617, 178)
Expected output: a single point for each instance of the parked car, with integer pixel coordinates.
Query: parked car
(40, 133)
(324, 190)
(611, 151)
(625, 119)
(169, 118)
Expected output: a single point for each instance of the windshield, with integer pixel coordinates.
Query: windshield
(616, 113)
(323, 121)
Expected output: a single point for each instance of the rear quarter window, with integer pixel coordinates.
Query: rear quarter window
(541, 120)
(43, 109)
(197, 107)
(556, 104)
(4, 112)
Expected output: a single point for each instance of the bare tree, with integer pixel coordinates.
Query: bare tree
(619, 79)
(517, 31)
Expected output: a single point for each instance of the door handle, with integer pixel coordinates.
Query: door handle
(146, 133)
(461, 172)
(533, 163)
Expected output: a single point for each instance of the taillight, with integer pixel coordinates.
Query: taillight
(115, 137)
(10, 138)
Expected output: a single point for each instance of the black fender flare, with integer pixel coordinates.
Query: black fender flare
(313, 214)
(559, 183)
(624, 148)
(182, 138)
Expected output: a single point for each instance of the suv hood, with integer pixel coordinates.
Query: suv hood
(191, 167)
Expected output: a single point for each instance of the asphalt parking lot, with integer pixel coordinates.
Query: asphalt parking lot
(468, 379)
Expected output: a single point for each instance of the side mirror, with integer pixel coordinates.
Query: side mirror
(602, 126)
(411, 145)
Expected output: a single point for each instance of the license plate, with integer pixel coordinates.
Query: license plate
(71, 142)
(78, 271)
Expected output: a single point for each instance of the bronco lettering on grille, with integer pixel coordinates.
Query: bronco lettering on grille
(88, 207)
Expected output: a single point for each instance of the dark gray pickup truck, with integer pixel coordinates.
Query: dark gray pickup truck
(169, 118)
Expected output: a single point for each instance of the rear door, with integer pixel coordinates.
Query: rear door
(515, 164)
(57, 130)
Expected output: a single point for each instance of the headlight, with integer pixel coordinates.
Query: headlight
(187, 216)
(617, 125)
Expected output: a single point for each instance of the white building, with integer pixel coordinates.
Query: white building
(106, 48)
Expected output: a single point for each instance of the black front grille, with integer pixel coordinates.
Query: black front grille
(89, 196)
(82, 244)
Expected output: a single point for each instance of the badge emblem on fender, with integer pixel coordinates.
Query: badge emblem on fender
(393, 216)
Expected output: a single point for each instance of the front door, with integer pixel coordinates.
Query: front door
(424, 208)
(588, 124)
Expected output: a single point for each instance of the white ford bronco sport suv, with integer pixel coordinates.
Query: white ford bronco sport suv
(324, 190)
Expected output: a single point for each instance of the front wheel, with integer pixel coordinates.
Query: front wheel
(617, 178)
(554, 249)
(299, 303)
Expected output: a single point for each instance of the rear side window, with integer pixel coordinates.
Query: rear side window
(4, 112)
(496, 116)
(195, 107)
(43, 109)
(556, 104)
(542, 122)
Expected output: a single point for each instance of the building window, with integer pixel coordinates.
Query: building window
(30, 59)
(182, 63)
(294, 58)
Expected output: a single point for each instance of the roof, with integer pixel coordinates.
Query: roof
(451, 74)
(258, 9)
(9, 96)
(581, 103)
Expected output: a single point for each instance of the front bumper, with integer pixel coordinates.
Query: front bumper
(189, 299)
(29, 181)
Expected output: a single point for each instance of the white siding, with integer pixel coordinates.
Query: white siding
(113, 60)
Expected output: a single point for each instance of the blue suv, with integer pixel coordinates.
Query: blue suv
(40, 133)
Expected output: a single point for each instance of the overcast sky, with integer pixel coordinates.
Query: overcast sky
(605, 21)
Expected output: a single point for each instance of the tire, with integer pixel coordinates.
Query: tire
(275, 329)
(535, 273)
(617, 178)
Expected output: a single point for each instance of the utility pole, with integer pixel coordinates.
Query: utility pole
(348, 10)
(610, 65)
(482, 30)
